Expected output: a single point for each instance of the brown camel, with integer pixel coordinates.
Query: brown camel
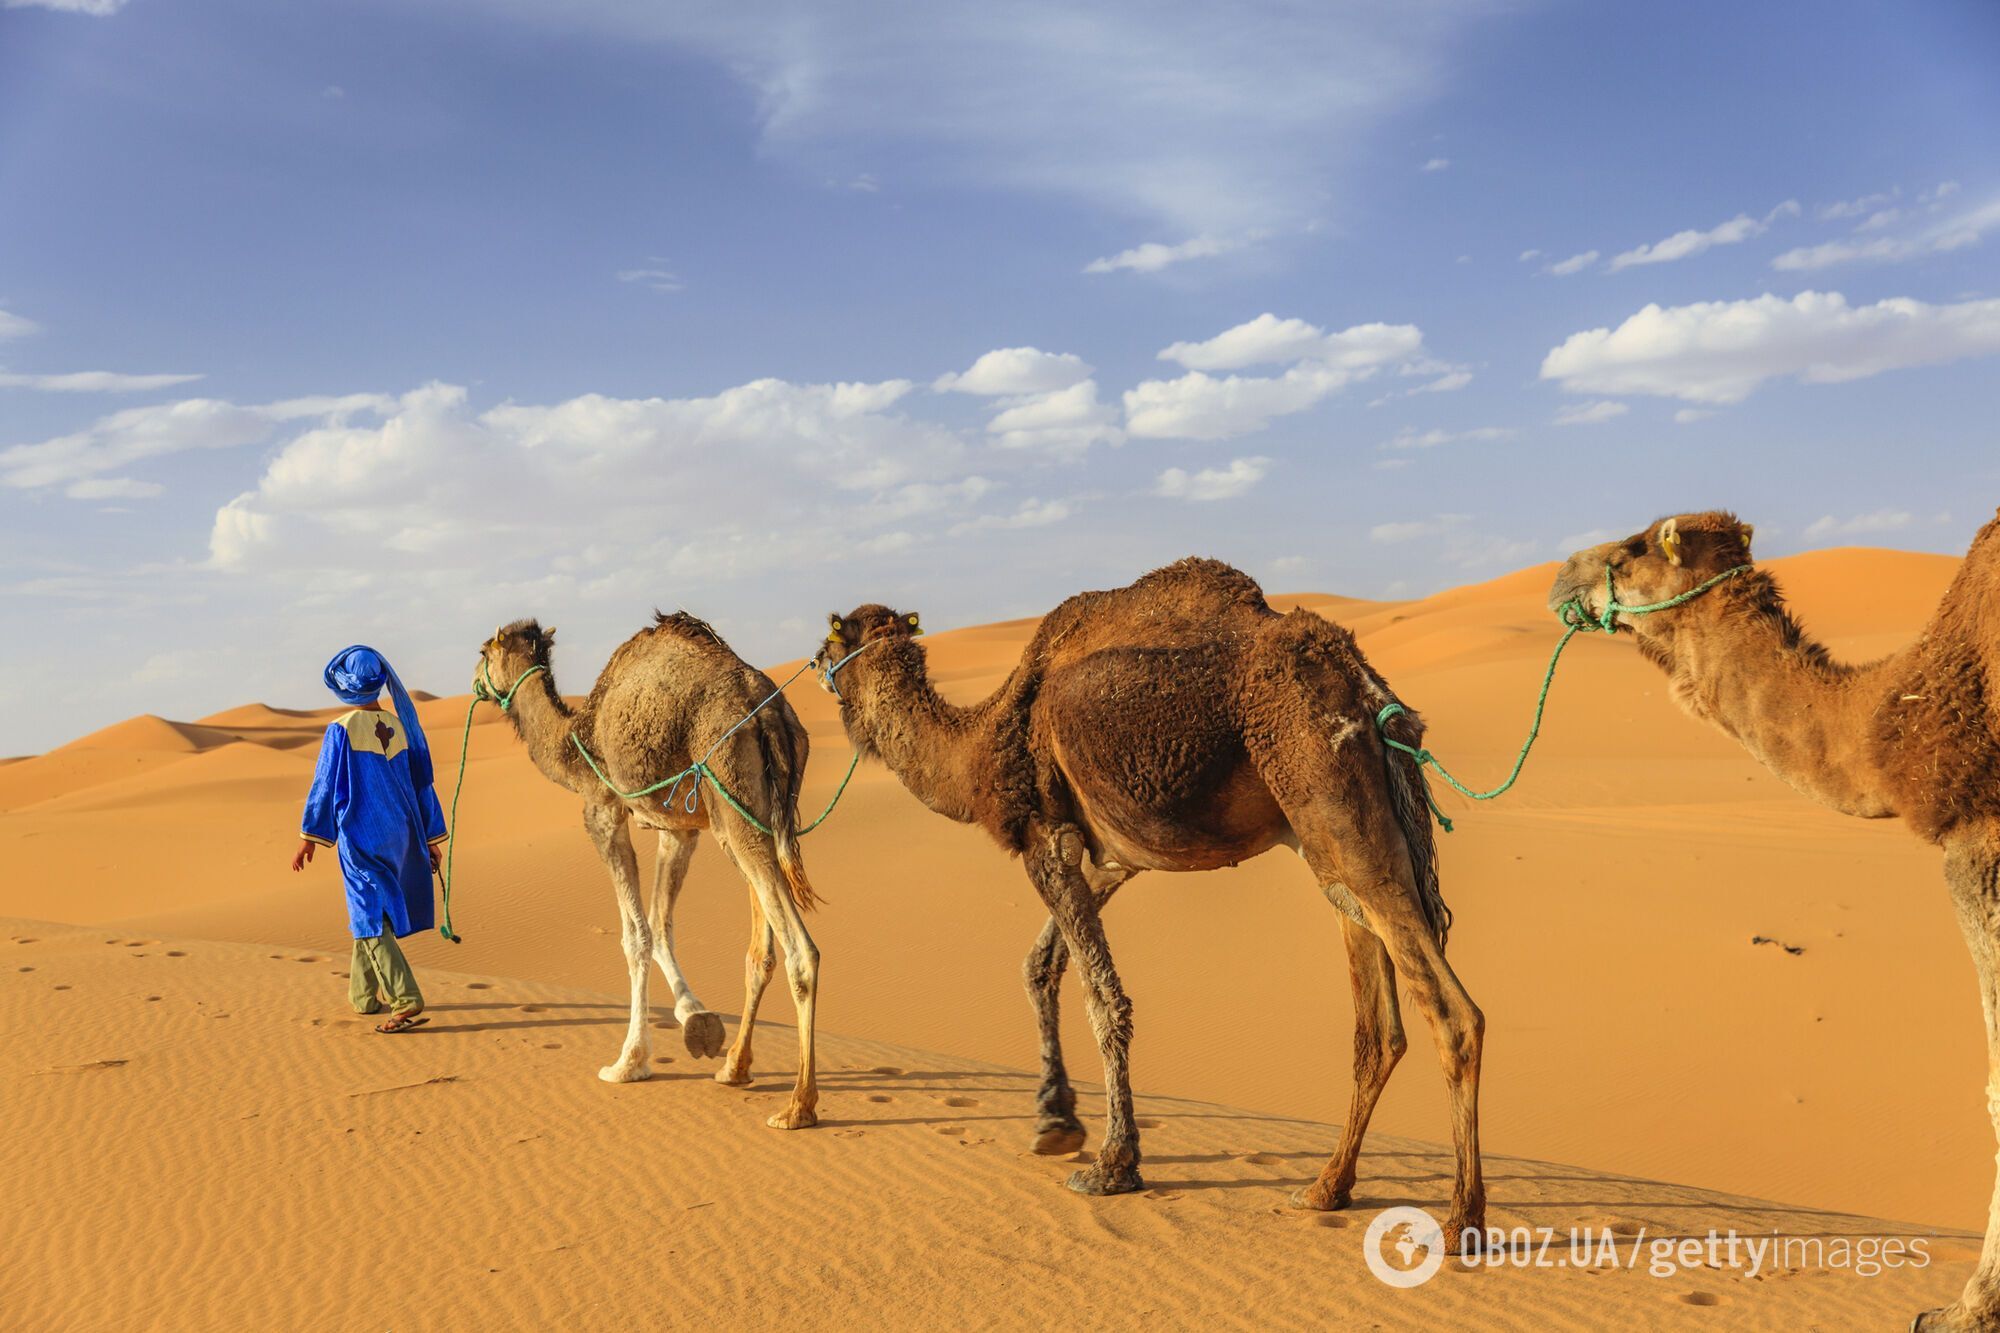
(669, 693)
(1915, 735)
(1182, 724)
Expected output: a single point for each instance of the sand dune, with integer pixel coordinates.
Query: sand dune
(1605, 913)
(231, 1151)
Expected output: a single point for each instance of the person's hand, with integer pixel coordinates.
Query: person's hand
(437, 857)
(304, 855)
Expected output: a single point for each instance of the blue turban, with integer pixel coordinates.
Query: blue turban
(356, 676)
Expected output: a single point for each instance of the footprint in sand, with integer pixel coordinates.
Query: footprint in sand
(152, 999)
(1335, 1220)
(84, 1068)
(663, 1059)
(139, 944)
(551, 1045)
(1701, 1298)
(959, 1102)
(24, 969)
(1164, 1196)
(62, 988)
(274, 957)
(950, 1130)
(1147, 1124)
(528, 1008)
(479, 985)
(880, 1097)
(889, 1070)
(308, 958)
(176, 953)
(24, 939)
(1262, 1159)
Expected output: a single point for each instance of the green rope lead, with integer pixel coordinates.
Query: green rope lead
(700, 769)
(1578, 620)
(483, 690)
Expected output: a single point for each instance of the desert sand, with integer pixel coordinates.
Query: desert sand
(199, 1135)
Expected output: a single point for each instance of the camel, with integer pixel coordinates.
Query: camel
(1914, 736)
(1181, 724)
(669, 693)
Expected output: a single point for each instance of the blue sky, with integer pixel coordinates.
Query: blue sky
(324, 323)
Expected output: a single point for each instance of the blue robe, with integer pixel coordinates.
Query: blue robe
(365, 802)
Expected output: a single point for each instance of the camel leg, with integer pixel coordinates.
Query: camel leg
(701, 1030)
(1378, 1044)
(1057, 1130)
(1055, 858)
(758, 860)
(606, 822)
(1972, 869)
(1360, 846)
(759, 961)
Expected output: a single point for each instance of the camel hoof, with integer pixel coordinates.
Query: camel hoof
(794, 1117)
(1947, 1320)
(704, 1035)
(1310, 1199)
(632, 1073)
(1060, 1141)
(729, 1076)
(1097, 1181)
(1465, 1235)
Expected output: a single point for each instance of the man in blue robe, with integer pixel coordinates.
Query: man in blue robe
(372, 798)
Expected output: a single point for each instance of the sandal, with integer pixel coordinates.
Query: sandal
(402, 1023)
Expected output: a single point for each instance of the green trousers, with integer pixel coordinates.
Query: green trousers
(379, 973)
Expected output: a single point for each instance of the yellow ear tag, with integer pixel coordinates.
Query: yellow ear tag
(915, 628)
(1670, 542)
(833, 637)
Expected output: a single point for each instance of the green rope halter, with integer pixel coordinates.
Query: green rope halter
(1576, 616)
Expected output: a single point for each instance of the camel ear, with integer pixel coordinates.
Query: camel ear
(835, 626)
(1670, 540)
(1749, 531)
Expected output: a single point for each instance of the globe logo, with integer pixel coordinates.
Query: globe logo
(1404, 1247)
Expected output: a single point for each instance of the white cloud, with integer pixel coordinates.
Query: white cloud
(1527, 255)
(1590, 414)
(1031, 514)
(605, 496)
(1854, 208)
(1882, 520)
(1574, 264)
(1411, 530)
(1451, 383)
(16, 326)
(1689, 415)
(1199, 406)
(93, 381)
(1152, 256)
(1683, 244)
(1941, 237)
(113, 488)
(1212, 483)
(1409, 438)
(1157, 113)
(1268, 340)
(1720, 351)
(1436, 164)
(135, 434)
(94, 8)
(1016, 370)
(1061, 421)
(654, 277)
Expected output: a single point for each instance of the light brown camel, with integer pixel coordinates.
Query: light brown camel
(1182, 724)
(1915, 735)
(669, 693)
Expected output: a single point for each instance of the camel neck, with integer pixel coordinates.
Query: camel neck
(1740, 661)
(544, 721)
(930, 744)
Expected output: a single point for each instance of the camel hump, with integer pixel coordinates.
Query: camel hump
(1205, 578)
(686, 625)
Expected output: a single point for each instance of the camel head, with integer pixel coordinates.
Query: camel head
(512, 649)
(1657, 563)
(847, 634)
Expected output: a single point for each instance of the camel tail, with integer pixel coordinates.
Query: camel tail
(781, 742)
(1410, 800)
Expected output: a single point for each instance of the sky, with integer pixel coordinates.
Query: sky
(392, 322)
